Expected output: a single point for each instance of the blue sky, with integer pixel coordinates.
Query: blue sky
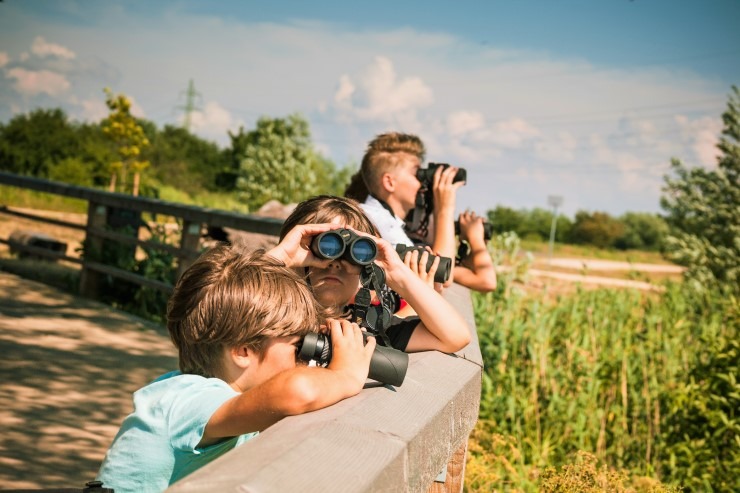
(588, 100)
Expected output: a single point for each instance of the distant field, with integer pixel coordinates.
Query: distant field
(540, 250)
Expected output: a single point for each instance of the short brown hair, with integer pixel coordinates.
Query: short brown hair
(226, 299)
(323, 209)
(383, 155)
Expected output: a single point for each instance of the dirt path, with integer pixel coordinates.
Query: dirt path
(68, 368)
(589, 264)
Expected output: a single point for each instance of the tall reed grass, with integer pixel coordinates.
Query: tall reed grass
(588, 371)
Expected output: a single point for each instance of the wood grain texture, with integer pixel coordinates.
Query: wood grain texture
(386, 439)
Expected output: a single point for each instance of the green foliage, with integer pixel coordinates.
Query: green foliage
(158, 265)
(129, 140)
(278, 162)
(31, 144)
(642, 231)
(703, 211)
(530, 225)
(594, 371)
(72, 170)
(185, 161)
(701, 430)
(597, 228)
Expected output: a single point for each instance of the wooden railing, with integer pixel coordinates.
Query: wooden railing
(411, 438)
(102, 206)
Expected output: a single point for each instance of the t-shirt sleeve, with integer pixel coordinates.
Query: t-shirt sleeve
(192, 407)
(399, 332)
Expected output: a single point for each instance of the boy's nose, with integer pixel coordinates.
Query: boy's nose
(336, 264)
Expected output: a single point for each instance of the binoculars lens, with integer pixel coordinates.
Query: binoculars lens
(343, 243)
(331, 245)
(364, 250)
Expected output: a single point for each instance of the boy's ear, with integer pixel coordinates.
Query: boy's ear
(388, 182)
(242, 356)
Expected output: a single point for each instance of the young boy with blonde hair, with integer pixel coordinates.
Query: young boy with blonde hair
(237, 322)
(389, 174)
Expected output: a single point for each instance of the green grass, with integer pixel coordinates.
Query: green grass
(541, 249)
(585, 372)
(31, 199)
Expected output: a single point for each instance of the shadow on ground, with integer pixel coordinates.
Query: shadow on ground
(68, 367)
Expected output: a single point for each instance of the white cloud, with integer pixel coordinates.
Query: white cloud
(380, 95)
(136, 109)
(703, 137)
(24, 56)
(560, 147)
(42, 48)
(343, 96)
(213, 121)
(30, 83)
(461, 123)
(94, 110)
(512, 133)
(4, 59)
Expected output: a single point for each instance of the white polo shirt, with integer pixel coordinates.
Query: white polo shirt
(390, 226)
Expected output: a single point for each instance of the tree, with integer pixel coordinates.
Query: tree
(278, 162)
(129, 139)
(32, 144)
(703, 210)
(184, 161)
(504, 219)
(598, 229)
(642, 231)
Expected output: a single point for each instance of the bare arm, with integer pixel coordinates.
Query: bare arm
(477, 270)
(297, 390)
(445, 193)
(441, 328)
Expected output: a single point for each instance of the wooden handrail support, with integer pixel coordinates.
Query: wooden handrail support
(99, 202)
(385, 439)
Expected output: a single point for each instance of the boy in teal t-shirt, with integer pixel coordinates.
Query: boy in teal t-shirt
(238, 322)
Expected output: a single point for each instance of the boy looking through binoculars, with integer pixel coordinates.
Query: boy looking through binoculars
(237, 322)
(389, 186)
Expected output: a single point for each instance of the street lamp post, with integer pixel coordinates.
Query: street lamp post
(553, 201)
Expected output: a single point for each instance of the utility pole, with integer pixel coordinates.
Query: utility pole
(189, 106)
(553, 201)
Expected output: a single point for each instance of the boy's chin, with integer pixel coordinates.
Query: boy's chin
(332, 301)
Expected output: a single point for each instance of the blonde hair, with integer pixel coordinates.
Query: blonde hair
(384, 153)
(226, 299)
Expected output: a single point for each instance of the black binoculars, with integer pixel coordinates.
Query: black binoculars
(487, 230)
(387, 365)
(345, 244)
(443, 269)
(426, 175)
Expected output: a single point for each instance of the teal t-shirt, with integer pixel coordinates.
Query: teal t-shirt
(157, 443)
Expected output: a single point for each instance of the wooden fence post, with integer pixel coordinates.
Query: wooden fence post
(455, 473)
(189, 242)
(97, 217)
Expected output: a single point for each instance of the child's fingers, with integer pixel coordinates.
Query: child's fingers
(369, 347)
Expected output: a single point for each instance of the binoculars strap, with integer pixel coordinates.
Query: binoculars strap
(363, 299)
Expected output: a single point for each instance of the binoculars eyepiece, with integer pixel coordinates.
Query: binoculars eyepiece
(387, 365)
(426, 175)
(345, 244)
(443, 269)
